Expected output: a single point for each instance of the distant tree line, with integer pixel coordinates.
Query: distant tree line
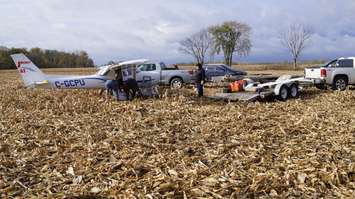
(44, 58)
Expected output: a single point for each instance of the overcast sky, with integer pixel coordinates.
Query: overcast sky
(125, 29)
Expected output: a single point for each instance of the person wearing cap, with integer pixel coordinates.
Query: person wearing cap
(200, 79)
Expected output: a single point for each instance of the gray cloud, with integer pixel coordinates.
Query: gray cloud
(110, 29)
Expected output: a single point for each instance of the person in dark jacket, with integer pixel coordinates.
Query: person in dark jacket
(200, 79)
(114, 86)
(131, 88)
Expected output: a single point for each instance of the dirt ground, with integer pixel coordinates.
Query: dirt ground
(78, 144)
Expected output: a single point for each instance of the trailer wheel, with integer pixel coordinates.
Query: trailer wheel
(294, 91)
(284, 93)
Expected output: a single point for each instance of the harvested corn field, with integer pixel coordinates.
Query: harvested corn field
(76, 143)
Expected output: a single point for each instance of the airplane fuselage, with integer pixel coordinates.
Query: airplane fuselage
(33, 77)
(77, 82)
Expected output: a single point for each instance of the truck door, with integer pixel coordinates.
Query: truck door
(148, 73)
(347, 66)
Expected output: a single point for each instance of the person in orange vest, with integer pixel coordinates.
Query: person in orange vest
(237, 85)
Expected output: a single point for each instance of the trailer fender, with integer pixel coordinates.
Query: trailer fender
(277, 89)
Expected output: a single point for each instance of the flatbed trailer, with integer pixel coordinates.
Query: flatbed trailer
(283, 88)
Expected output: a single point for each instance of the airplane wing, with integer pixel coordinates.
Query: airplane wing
(133, 62)
(126, 63)
(104, 69)
(103, 66)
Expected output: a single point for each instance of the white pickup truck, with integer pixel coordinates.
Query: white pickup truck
(338, 74)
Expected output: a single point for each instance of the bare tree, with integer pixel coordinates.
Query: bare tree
(231, 37)
(295, 39)
(198, 45)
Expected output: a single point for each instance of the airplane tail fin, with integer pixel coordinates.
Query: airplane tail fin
(30, 73)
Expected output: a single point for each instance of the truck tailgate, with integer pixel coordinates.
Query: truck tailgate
(313, 73)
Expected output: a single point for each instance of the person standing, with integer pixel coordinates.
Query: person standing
(114, 86)
(119, 79)
(200, 79)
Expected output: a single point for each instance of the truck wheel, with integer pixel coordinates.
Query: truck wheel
(294, 91)
(176, 83)
(284, 93)
(321, 86)
(340, 83)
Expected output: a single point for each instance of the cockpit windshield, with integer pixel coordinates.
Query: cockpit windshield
(103, 70)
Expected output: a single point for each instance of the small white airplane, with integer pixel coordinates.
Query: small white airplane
(33, 77)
